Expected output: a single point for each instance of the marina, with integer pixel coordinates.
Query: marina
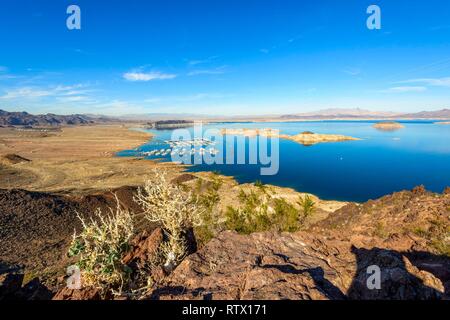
(181, 148)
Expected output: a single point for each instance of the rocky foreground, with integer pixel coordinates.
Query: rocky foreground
(405, 234)
(330, 260)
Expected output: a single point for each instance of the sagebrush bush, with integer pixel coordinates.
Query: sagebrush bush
(175, 209)
(100, 247)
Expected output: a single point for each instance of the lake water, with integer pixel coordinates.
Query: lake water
(379, 164)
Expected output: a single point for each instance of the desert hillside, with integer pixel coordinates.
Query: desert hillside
(323, 257)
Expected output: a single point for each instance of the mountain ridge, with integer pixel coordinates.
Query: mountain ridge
(23, 118)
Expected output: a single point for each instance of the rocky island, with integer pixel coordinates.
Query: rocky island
(310, 138)
(388, 126)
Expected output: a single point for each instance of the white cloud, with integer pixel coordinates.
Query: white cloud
(149, 76)
(405, 89)
(74, 99)
(26, 93)
(39, 92)
(435, 82)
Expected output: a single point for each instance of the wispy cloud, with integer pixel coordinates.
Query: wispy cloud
(352, 71)
(202, 61)
(405, 89)
(28, 92)
(147, 76)
(435, 82)
(75, 99)
(5, 75)
(25, 93)
(218, 70)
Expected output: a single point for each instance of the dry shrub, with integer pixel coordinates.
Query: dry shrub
(174, 209)
(101, 246)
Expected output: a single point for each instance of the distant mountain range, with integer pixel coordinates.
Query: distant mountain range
(27, 119)
(367, 114)
(441, 114)
(326, 114)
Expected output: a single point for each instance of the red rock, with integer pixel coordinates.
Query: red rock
(144, 246)
(82, 294)
(298, 266)
(258, 266)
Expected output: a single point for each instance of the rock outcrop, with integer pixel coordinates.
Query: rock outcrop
(294, 266)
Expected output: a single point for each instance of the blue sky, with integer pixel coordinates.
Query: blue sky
(223, 56)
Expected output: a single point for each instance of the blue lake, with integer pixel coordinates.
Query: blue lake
(379, 164)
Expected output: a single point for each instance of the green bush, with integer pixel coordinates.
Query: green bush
(260, 212)
(208, 199)
(307, 206)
